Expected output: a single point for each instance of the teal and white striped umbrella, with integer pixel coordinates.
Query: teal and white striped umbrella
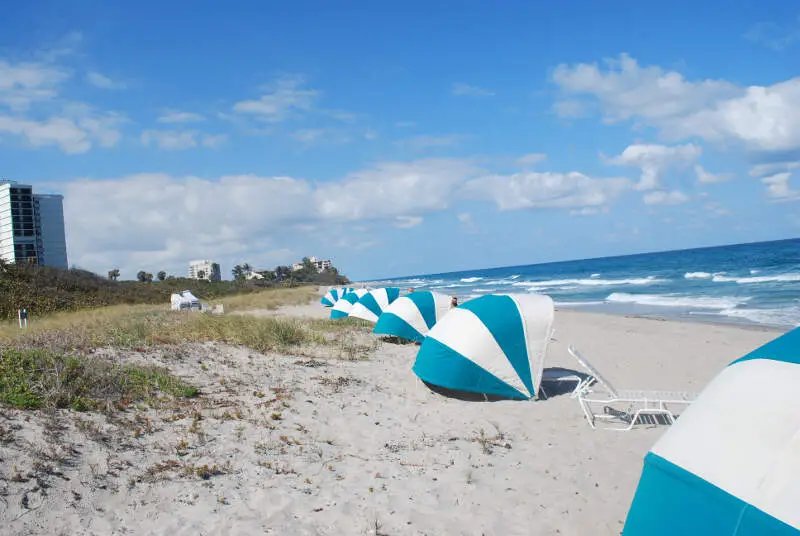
(374, 302)
(413, 315)
(495, 345)
(344, 304)
(730, 465)
(334, 295)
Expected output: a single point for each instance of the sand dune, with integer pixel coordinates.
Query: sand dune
(298, 445)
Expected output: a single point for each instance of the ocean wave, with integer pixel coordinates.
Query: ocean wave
(785, 316)
(513, 277)
(471, 279)
(452, 285)
(779, 278)
(697, 275)
(578, 303)
(671, 300)
(589, 282)
(594, 275)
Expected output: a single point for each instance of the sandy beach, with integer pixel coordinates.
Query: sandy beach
(311, 445)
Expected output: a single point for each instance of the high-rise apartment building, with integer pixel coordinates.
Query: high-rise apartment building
(204, 269)
(31, 226)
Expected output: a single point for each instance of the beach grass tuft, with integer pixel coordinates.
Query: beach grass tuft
(39, 378)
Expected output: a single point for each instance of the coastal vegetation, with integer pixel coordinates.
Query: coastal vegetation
(45, 290)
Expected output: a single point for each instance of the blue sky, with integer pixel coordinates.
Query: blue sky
(402, 139)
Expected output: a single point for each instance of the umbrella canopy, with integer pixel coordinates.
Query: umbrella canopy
(494, 344)
(334, 295)
(373, 303)
(413, 315)
(344, 305)
(730, 465)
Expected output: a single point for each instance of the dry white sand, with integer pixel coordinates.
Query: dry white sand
(353, 447)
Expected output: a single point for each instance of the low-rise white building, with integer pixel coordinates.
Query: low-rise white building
(320, 265)
(204, 269)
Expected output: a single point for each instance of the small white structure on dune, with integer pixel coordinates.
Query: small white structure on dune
(185, 300)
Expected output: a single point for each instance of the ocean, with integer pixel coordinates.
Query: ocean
(757, 283)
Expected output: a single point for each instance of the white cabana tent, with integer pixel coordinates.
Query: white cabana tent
(184, 300)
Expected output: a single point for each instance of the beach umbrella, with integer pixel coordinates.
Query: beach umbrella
(413, 315)
(730, 465)
(344, 304)
(494, 344)
(373, 303)
(334, 295)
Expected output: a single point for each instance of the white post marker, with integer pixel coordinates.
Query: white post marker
(19, 314)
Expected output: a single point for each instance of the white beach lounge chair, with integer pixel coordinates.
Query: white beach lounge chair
(642, 405)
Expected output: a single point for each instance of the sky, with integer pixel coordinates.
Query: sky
(402, 138)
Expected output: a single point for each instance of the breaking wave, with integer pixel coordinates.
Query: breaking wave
(779, 278)
(687, 302)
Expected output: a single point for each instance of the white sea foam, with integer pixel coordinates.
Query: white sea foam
(595, 275)
(754, 272)
(785, 316)
(671, 300)
(697, 275)
(578, 303)
(513, 276)
(588, 282)
(471, 279)
(778, 278)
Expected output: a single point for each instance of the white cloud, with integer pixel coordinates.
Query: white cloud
(661, 197)
(772, 168)
(371, 134)
(705, 177)
(393, 189)
(531, 159)
(778, 188)
(467, 223)
(654, 160)
(762, 118)
(176, 140)
(30, 93)
(173, 140)
(473, 91)
(421, 143)
(282, 98)
(315, 135)
(589, 211)
(100, 80)
(58, 131)
(23, 84)
(214, 141)
(715, 208)
(162, 221)
(405, 124)
(773, 35)
(176, 116)
(406, 222)
(538, 190)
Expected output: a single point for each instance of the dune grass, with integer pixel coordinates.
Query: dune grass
(270, 299)
(39, 378)
(136, 326)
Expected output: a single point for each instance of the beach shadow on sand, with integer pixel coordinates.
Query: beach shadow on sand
(549, 388)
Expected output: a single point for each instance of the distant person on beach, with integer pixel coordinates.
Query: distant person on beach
(453, 302)
(410, 290)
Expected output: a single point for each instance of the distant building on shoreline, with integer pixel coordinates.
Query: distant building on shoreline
(320, 265)
(31, 226)
(204, 269)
